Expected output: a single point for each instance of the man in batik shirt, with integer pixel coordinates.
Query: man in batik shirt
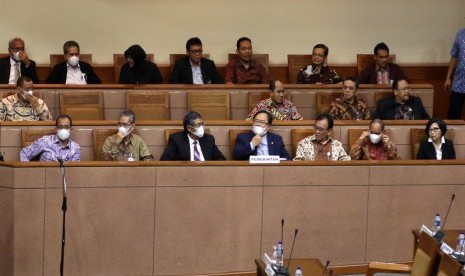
(374, 144)
(321, 146)
(349, 106)
(54, 147)
(318, 72)
(24, 106)
(277, 105)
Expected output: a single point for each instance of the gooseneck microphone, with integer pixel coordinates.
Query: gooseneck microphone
(439, 236)
(292, 248)
(326, 267)
(64, 207)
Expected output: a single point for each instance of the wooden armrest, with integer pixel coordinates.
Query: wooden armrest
(349, 269)
(376, 267)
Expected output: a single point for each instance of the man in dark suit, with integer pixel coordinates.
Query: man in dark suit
(72, 71)
(402, 106)
(193, 69)
(192, 144)
(381, 71)
(259, 141)
(17, 64)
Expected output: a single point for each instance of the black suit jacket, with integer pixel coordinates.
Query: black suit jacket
(145, 73)
(386, 109)
(178, 148)
(182, 72)
(5, 68)
(242, 150)
(58, 74)
(427, 150)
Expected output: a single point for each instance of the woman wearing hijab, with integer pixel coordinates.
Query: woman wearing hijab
(138, 70)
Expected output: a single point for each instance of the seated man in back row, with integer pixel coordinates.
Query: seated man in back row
(260, 141)
(192, 144)
(17, 64)
(401, 106)
(72, 71)
(279, 107)
(321, 146)
(54, 147)
(24, 106)
(318, 72)
(125, 145)
(374, 144)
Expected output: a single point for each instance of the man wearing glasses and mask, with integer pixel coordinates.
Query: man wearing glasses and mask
(259, 141)
(24, 106)
(17, 64)
(125, 145)
(52, 147)
(192, 144)
(194, 69)
(321, 146)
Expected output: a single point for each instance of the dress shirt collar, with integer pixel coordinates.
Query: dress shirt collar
(378, 68)
(312, 138)
(443, 141)
(57, 140)
(13, 62)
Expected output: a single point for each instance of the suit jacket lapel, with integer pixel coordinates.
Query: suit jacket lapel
(187, 147)
(189, 69)
(270, 140)
(204, 146)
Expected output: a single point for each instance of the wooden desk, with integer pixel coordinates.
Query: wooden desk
(309, 266)
(450, 238)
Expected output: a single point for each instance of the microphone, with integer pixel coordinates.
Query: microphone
(282, 231)
(61, 161)
(292, 248)
(439, 236)
(326, 267)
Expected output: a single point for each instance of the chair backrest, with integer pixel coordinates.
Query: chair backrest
(262, 58)
(255, 97)
(232, 139)
(169, 131)
(297, 135)
(365, 59)
(212, 106)
(427, 251)
(119, 60)
(174, 57)
(417, 135)
(324, 99)
(2, 55)
(449, 266)
(382, 95)
(295, 63)
(57, 58)
(82, 105)
(99, 137)
(149, 105)
(30, 135)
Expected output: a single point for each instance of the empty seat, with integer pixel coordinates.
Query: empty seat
(86, 105)
(294, 64)
(212, 106)
(148, 105)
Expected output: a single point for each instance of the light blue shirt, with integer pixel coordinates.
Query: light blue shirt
(458, 52)
(262, 148)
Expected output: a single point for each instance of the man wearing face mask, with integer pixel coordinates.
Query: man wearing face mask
(17, 64)
(259, 141)
(52, 147)
(138, 70)
(72, 71)
(192, 144)
(374, 144)
(24, 106)
(125, 145)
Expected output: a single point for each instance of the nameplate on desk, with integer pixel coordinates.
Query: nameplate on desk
(264, 159)
(426, 229)
(446, 248)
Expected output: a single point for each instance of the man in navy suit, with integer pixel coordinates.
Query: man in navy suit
(192, 144)
(259, 141)
(193, 69)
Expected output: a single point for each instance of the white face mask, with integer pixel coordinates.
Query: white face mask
(199, 132)
(375, 138)
(16, 56)
(24, 94)
(63, 134)
(258, 130)
(73, 61)
(123, 130)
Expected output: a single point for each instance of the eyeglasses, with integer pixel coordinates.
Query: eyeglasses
(259, 122)
(196, 51)
(17, 49)
(434, 129)
(319, 129)
(318, 55)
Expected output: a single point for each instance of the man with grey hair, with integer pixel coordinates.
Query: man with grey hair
(192, 144)
(17, 64)
(125, 145)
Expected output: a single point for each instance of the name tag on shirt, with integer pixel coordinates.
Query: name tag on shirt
(264, 159)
